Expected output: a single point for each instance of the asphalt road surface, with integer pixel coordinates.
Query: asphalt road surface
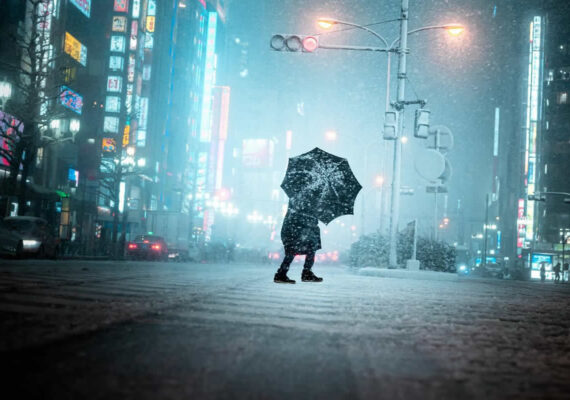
(125, 330)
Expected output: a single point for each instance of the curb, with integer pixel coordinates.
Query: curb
(407, 274)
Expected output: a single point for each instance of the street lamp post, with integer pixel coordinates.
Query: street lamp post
(402, 50)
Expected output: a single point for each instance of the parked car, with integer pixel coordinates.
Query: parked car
(148, 247)
(37, 236)
(11, 243)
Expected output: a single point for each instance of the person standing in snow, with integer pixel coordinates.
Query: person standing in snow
(542, 272)
(300, 234)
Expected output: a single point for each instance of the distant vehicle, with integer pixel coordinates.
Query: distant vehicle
(148, 247)
(463, 269)
(11, 243)
(174, 228)
(462, 266)
(37, 236)
(494, 270)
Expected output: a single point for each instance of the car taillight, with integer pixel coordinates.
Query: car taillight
(132, 246)
(155, 247)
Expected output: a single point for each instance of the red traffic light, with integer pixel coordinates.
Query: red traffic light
(310, 43)
(294, 43)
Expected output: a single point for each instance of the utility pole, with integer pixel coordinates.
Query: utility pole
(395, 203)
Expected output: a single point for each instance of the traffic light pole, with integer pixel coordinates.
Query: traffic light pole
(395, 203)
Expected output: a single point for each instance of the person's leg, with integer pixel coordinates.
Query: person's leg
(307, 275)
(281, 274)
(309, 261)
(286, 263)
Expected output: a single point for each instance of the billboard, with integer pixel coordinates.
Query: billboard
(257, 153)
(114, 83)
(73, 176)
(9, 126)
(111, 124)
(71, 99)
(121, 5)
(118, 43)
(119, 23)
(536, 261)
(75, 49)
(150, 21)
(134, 35)
(136, 8)
(83, 5)
(108, 145)
(113, 104)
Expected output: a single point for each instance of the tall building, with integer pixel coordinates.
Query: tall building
(553, 144)
(191, 109)
(126, 171)
(60, 77)
(538, 157)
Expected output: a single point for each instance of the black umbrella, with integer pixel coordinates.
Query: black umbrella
(321, 184)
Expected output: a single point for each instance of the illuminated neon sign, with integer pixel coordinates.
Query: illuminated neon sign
(209, 78)
(532, 118)
(75, 49)
(121, 5)
(83, 5)
(71, 99)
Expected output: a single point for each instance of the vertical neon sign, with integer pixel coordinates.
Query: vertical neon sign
(532, 118)
(209, 78)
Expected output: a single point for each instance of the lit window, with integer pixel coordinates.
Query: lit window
(562, 98)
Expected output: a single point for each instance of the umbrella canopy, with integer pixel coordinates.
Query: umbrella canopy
(321, 184)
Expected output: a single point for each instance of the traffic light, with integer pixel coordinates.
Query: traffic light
(537, 197)
(421, 125)
(294, 43)
(390, 125)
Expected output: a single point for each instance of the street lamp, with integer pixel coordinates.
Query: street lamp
(399, 105)
(331, 136)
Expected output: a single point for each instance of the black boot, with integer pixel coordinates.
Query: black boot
(281, 277)
(308, 276)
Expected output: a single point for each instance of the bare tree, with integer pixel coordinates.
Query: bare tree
(113, 171)
(33, 103)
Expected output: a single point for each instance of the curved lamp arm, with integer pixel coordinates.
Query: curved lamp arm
(333, 21)
(427, 28)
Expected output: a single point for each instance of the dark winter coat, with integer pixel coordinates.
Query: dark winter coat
(300, 233)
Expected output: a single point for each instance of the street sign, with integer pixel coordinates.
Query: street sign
(436, 189)
(443, 138)
(430, 164)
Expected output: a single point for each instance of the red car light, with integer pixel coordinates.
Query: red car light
(155, 247)
(132, 246)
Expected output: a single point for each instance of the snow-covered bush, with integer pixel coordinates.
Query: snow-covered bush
(373, 251)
